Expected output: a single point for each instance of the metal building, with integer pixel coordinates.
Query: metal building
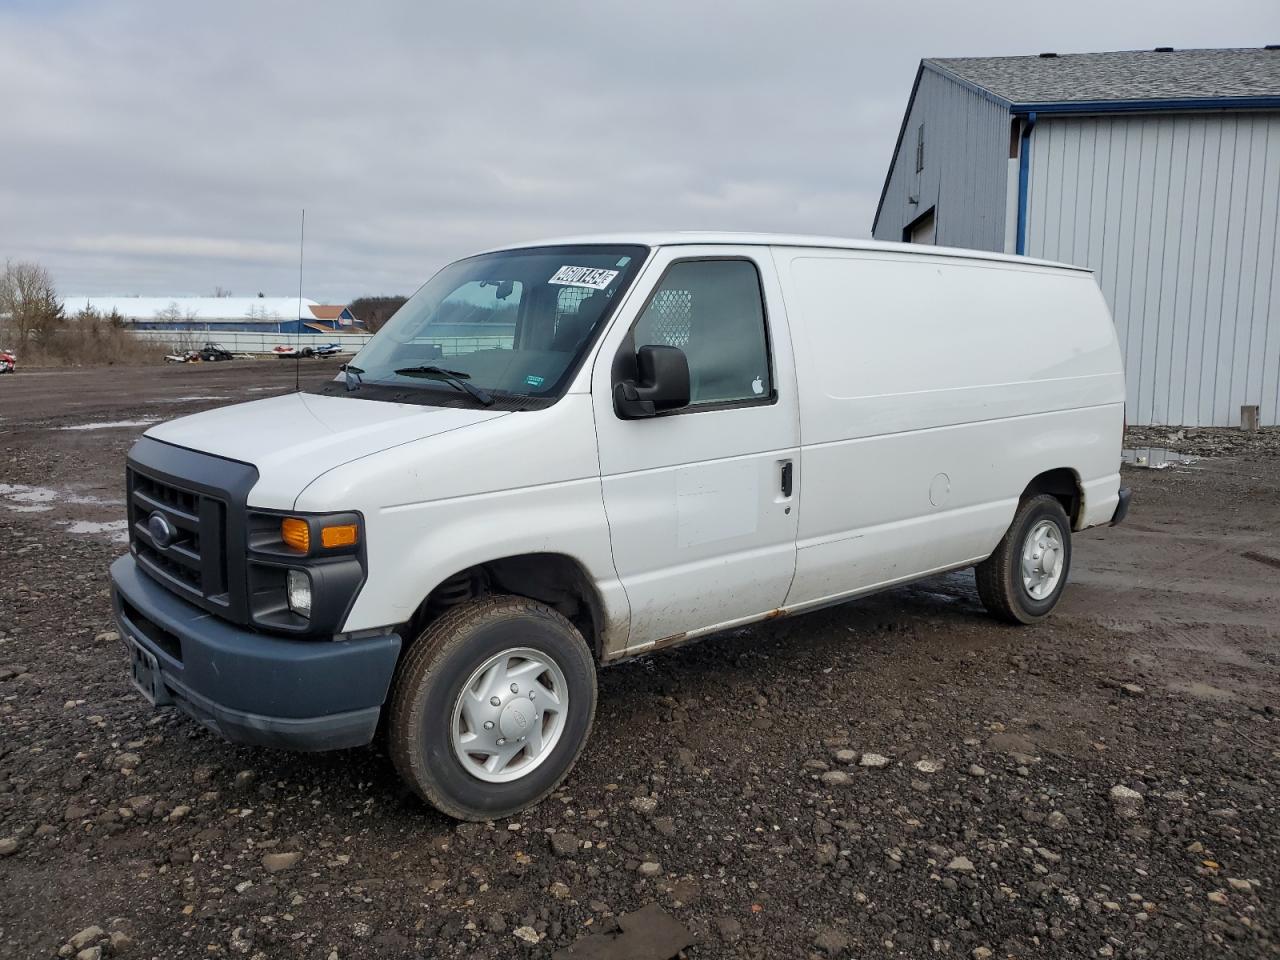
(1159, 169)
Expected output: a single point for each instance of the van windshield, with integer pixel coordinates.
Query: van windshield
(512, 323)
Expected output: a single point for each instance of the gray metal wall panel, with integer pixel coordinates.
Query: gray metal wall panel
(1177, 214)
(965, 168)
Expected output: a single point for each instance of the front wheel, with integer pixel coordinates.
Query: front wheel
(1023, 579)
(491, 707)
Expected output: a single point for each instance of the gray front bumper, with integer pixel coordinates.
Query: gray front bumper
(252, 687)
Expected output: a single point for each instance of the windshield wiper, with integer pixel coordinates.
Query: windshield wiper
(455, 378)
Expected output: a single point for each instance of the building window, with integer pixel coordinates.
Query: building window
(920, 148)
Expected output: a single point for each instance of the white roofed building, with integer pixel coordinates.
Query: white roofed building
(229, 314)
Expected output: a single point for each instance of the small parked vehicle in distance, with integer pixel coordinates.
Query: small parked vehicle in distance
(561, 455)
(215, 351)
(326, 350)
(287, 351)
(8, 361)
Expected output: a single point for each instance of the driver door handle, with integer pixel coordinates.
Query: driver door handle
(787, 473)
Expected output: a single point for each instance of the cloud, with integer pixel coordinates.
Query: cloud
(153, 147)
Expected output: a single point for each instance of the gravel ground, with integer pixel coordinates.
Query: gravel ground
(894, 777)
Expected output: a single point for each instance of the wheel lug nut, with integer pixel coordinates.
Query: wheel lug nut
(502, 741)
(488, 724)
(532, 694)
(495, 702)
(514, 688)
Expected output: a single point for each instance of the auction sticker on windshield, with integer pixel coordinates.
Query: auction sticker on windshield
(592, 277)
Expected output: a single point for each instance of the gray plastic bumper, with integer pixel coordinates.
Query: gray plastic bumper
(251, 687)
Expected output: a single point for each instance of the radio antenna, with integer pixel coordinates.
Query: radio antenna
(297, 335)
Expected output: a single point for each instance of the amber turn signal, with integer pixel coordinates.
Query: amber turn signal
(339, 535)
(296, 533)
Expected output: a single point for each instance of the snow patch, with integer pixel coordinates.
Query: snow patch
(113, 424)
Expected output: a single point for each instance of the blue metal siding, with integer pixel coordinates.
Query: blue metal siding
(1177, 214)
(213, 327)
(965, 167)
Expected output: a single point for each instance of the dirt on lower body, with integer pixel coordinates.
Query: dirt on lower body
(898, 776)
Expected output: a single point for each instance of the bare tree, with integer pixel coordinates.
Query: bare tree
(29, 301)
(221, 292)
(170, 314)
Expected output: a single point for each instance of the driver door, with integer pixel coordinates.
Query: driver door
(702, 502)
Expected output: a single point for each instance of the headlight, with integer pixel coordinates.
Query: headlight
(299, 592)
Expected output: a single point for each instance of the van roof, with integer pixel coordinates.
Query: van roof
(698, 237)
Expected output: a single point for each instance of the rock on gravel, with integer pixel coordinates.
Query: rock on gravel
(928, 766)
(275, 862)
(645, 806)
(873, 760)
(1125, 802)
(564, 844)
(86, 936)
(9, 845)
(835, 778)
(121, 943)
(649, 933)
(960, 865)
(730, 930)
(831, 941)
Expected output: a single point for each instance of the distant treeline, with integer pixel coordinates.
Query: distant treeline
(373, 312)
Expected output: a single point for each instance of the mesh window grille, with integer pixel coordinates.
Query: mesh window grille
(568, 301)
(669, 317)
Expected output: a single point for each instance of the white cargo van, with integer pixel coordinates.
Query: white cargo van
(560, 455)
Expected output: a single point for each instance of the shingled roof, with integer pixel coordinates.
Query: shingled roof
(1124, 75)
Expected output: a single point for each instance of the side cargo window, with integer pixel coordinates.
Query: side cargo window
(713, 311)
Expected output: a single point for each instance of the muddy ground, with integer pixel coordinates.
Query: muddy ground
(724, 781)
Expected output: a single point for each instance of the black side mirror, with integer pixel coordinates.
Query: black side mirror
(662, 383)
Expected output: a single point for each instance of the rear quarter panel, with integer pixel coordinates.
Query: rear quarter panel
(933, 389)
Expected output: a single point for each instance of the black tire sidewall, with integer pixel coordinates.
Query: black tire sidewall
(439, 693)
(1043, 509)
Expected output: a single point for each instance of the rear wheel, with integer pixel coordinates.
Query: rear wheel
(491, 707)
(1023, 579)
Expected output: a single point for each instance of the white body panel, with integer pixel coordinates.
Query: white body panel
(918, 392)
(934, 390)
(701, 531)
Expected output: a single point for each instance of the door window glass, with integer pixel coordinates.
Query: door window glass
(711, 309)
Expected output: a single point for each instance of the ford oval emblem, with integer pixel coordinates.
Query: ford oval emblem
(161, 530)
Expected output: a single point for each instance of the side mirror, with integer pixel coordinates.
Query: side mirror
(662, 383)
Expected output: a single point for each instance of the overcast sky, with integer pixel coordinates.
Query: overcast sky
(163, 148)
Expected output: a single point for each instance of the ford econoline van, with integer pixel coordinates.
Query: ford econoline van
(560, 455)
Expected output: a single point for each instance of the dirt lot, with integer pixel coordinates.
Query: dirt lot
(725, 782)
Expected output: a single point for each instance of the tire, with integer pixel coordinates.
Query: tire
(1001, 577)
(428, 722)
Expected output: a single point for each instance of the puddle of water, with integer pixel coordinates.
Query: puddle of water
(119, 529)
(113, 424)
(186, 399)
(21, 498)
(20, 493)
(1154, 458)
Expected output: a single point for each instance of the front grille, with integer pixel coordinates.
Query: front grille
(193, 561)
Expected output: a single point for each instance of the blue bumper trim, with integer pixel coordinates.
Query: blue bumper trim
(252, 687)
